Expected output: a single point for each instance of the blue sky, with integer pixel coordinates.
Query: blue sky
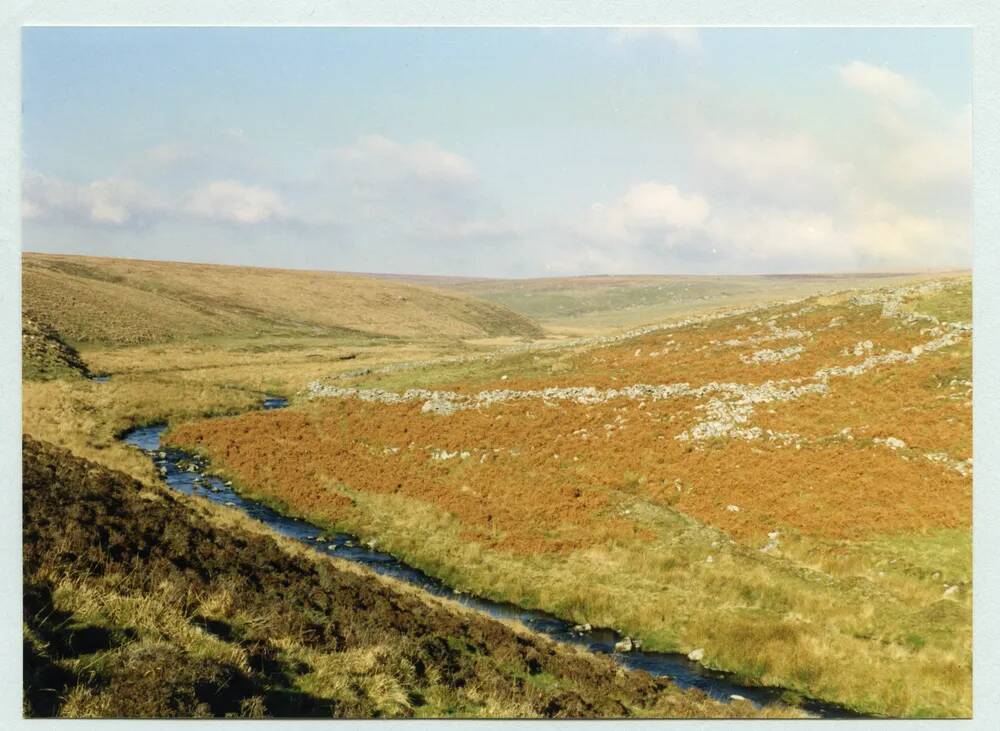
(502, 152)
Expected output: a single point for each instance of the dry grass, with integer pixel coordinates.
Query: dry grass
(139, 603)
(594, 305)
(129, 301)
(583, 509)
(849, 607)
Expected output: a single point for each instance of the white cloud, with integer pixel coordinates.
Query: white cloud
(767, 158)
(777, 237)
(889, 236)
(931, 154)
(234, 202)
(376, 156)
(685, 39)
(113, 201)
(880, 82)
(118, 202)
(647, 209)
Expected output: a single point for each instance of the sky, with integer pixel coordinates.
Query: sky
(504, 152)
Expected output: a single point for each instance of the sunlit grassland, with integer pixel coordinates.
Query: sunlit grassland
(863, 622)
(170, 382)
(880, 621)
(129, 301)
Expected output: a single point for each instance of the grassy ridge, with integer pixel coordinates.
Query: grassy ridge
(140, 603)
(126, 301)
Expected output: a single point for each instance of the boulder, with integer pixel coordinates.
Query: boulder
(696, 655)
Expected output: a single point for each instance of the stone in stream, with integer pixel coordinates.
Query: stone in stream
(627, 645)
(696, 655)
(581, 628)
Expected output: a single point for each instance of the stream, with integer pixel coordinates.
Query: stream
(184, 472)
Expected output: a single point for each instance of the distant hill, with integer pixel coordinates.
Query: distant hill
(598, 304)
(129, 301)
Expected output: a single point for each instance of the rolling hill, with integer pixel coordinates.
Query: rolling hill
(127, 301)
(598, 304)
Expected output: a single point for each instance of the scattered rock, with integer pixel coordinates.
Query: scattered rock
(581, 628)
(697, 655)
(627, 645)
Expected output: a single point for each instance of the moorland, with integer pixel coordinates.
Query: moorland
(772, 474)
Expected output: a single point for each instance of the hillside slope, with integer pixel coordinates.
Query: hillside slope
(45, 356)
(141, 603)
(125, 301)
(588, 305)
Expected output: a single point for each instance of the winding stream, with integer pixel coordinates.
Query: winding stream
(184, 472)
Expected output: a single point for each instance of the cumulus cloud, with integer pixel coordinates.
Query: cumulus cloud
(887, 188)
(119, 202)
(648, 209)
(771, 235)
(881, 83)
(655, 220)
(885, 235)
(113, 201)
(234, 202)
(684, 39)
(931, 154)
